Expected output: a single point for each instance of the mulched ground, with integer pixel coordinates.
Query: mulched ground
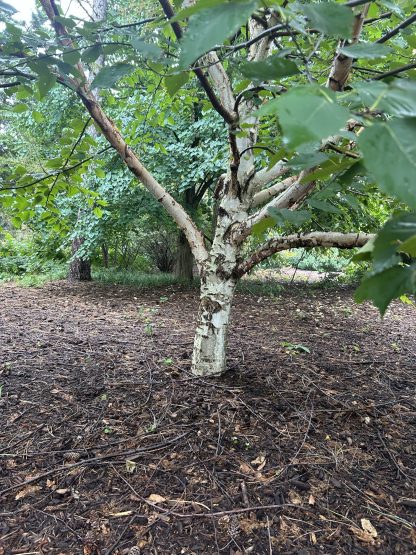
(109, 445)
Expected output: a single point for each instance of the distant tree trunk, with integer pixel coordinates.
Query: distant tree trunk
(79, 269)
(104, 250)
(184, 259)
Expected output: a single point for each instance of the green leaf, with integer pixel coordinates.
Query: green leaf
(262, 226)
(147, 49)
(272, 68)
(71, 58)
(396, 236)
(308, 114)
(19, 108)
(283, 215)
(55, 163)
(365, 253)
(368, 51)
(211, 27)
(100, 173)
(108, 76)
(331, 19)
(91, 54)
(98, 212)
(383, 287)
(66, 21)
(37, 116)
(389, 150)
(307, 160)
(45, 83)
(174, 82)
(323, 206)
(397, 98)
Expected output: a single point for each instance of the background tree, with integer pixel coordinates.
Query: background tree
(301, 146)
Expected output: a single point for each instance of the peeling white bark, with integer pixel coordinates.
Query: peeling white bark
(273, 191)
(210, 343)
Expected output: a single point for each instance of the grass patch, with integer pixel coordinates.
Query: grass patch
(137, 279)
(262, 288)
(52, 272)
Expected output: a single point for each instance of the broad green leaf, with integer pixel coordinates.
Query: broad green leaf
(283, 215)
(100, 173)
(307, 160)
(323, 206)
(409, 246)
(274, 67)
(365, 253)
(308, 114)
(262, 226)
(91, 54)
(71, 58)
(45, 83)
(186, 12)
(98, 212)
(37, 116)
(381, 288)
(369, 51)
(174, 82)
(389, 150)
(66, 21)
(108, 76)
(19, 108)
(390, 239)
(331, 19)
(148, 50)
(211, 27)
(397, 98)
(55, 163)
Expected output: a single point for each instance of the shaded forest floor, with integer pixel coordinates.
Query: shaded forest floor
(109, 445)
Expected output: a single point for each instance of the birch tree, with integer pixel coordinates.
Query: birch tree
(305, 130)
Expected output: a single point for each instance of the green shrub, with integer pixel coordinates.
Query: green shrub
(318, 261)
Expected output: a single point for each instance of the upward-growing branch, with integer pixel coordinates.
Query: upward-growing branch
(220, 106)
(342, 64)
(114, 137)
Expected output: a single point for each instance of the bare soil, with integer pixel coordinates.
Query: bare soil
(108, 445)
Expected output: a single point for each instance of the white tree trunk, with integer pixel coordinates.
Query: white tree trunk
(210, 343)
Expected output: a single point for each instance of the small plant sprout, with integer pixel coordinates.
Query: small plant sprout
(294, 347)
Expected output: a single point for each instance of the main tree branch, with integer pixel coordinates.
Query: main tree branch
(306, 240)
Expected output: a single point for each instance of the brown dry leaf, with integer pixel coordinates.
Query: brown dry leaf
(259, 461)
(362, 535)
(50, 483)
(155, 498)
(295, 498)
(245, 469)
(247, 525)
(313, 538)
(311, 500)
(27, 491)
(62, 491)
(368, 527)
(283, 524)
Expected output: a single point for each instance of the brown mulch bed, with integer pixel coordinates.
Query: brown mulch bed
(109, 445)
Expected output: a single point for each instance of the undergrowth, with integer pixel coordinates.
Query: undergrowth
(138, 279)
